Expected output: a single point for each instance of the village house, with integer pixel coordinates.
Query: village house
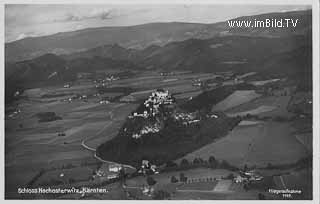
(186, 118)
(67, 86)
(115, 168)
(16, 94)
(147, 168)
(104, 102)
(248, 176)
(109, 171)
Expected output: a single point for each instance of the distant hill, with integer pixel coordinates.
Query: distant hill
(113, 51)
(296, 64)
(39, 68)
(142, 36)
(139, 36)
(210, 55)
(52, 69)
(274, 57)
(281, 53)
(220, 53)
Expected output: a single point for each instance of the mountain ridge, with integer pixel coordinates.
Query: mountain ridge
(137, 36)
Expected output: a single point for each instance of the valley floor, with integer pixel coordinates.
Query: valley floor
(61, 152)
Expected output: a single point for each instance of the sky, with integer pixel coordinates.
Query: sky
(23, 21)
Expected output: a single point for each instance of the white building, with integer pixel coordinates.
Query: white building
(115, 168)
(112, 176)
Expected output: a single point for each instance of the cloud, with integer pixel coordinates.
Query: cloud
(21, 36)
(26, 35)
(101, 14)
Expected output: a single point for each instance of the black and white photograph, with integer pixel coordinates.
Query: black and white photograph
(161, 101)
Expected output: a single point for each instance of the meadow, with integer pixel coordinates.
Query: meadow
(255, 145)
(235, 99)
(32, 146)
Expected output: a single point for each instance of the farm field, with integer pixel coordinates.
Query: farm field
(223, 186)
(85, 123)
(255, 111)
(17, 177)
(235, 99)
(31, 145)
(246, 75)
(264, 106)
(296, 180)
(306, 140)
(197, 173)
(179, 84)
(64, 176)
(187, 95)
(249, 122)
(263, 82)
(174, 89)
(154, 80)
(55, 91)
(260, 144)
(199, 186)
(250, 195)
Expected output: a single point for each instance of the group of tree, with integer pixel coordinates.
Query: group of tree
(174, 179)
(212, 162)
(151, 181)
(183, 178)
(305, 162)
(198, 161)
(161, 195)
(122, 176)
(209, 179)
